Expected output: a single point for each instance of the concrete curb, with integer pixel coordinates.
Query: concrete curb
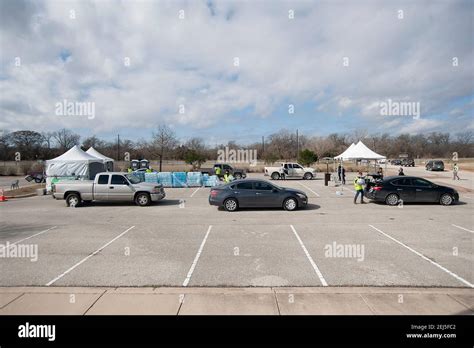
(239, 301)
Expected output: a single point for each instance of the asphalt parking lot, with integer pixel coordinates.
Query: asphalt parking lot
(183, 241)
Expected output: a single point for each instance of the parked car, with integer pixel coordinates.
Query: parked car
(38, 177)
(290, 170)
(108, 186)
(236, 173)
(396, 162)
(435, 165)
(408, 162)
(394, 189)
(256, 193)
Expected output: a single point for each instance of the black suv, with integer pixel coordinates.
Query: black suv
(435, 165)
(408, 162)
(396, 162)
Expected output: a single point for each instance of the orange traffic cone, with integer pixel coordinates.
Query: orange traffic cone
(3, 198)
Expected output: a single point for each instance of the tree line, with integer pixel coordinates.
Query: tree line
(282, 145)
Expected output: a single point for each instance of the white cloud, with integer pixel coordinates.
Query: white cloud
(173, 61)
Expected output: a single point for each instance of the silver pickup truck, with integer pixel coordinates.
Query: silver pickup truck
(109, 186)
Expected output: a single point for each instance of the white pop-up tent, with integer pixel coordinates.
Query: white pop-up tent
(75, 163)
(358, 152)
(342, 155)
(108, 162)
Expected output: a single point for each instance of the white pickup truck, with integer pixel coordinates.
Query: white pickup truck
(108, 186)
(290, 170)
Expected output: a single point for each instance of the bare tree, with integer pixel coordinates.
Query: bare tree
(28, 143)
(93, 141)
(66, 139)
(164, 140)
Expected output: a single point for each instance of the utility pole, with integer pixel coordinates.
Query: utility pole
(263, 145)
(118, 147)
(297, 144)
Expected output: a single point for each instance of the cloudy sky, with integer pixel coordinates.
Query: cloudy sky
(229, 70)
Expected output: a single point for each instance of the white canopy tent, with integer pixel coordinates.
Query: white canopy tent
(108, 162)
(341, 156)
(358, 152)
(74, 162)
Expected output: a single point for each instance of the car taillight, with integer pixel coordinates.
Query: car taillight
(377, 188)
(214, 193)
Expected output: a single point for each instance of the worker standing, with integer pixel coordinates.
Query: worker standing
(343, 175)
(218, 172)
(400, 172)
(359, 183)
(380, 172)
(227, 177)
(130, 170)
(455, 172)
(339, 173)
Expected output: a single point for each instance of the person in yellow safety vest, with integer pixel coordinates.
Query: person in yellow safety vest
(218, 171)
(227, 177)
(148, 170)
(130, 170)
(359, 188)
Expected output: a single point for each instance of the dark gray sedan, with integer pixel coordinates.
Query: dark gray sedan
(256, 194)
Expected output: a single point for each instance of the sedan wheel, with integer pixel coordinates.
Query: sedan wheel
(308, 176)
(275, 176)
(392, 199)
(446, 199)
(290, 204)
(231, 204)
(142, 199)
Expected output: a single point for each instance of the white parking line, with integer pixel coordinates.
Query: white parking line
(315, 267)
(88, 257)
(462, 228)
(317, 195)
(425, 258)
(36, 234)
(345, 188)
(196, 258)
(192, 194)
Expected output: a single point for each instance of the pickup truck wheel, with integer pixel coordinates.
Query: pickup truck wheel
(73, 200)
(308, 176)
(231, 204)
(143, 199)
(290, 204)
(275, 176)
